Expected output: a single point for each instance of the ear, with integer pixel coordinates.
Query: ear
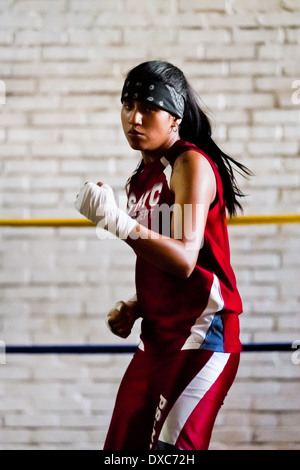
(177, 121)
(175, 124)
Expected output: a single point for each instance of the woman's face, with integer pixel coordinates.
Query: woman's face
(146, 127)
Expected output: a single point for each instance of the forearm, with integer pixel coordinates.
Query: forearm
(175, 256)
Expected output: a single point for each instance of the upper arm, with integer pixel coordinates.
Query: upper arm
(194, 186)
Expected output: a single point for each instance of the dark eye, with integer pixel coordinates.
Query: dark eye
(127, 105)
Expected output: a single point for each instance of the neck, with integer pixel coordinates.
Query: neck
(150, 156)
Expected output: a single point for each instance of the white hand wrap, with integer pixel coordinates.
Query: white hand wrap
(97, 203)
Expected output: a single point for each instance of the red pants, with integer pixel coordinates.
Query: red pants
(170, 401)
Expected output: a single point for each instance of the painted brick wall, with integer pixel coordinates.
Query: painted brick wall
(62, 64)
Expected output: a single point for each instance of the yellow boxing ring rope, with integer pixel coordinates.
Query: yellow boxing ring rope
(241, 220)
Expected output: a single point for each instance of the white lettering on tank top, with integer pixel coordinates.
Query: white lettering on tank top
(148, 199)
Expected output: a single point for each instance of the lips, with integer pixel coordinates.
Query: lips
(134, 132)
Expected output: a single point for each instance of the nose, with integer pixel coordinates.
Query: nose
(136, 117)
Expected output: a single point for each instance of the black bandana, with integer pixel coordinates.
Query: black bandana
(154, 92)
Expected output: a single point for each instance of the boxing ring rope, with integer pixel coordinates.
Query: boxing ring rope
(242, 220)
(128, 348)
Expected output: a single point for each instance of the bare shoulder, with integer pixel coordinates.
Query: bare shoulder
(193, 163)
(193, 174)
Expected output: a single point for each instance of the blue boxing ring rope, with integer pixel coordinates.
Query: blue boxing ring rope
(126, 349)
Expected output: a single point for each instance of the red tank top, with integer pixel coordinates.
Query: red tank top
(200, 312)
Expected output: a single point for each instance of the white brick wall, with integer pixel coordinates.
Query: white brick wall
(63, 64)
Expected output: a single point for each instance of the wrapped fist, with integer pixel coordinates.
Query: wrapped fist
(97, 203)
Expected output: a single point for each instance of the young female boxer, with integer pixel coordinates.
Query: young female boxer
(186, 293)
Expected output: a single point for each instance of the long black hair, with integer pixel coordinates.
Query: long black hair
(196, 128)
